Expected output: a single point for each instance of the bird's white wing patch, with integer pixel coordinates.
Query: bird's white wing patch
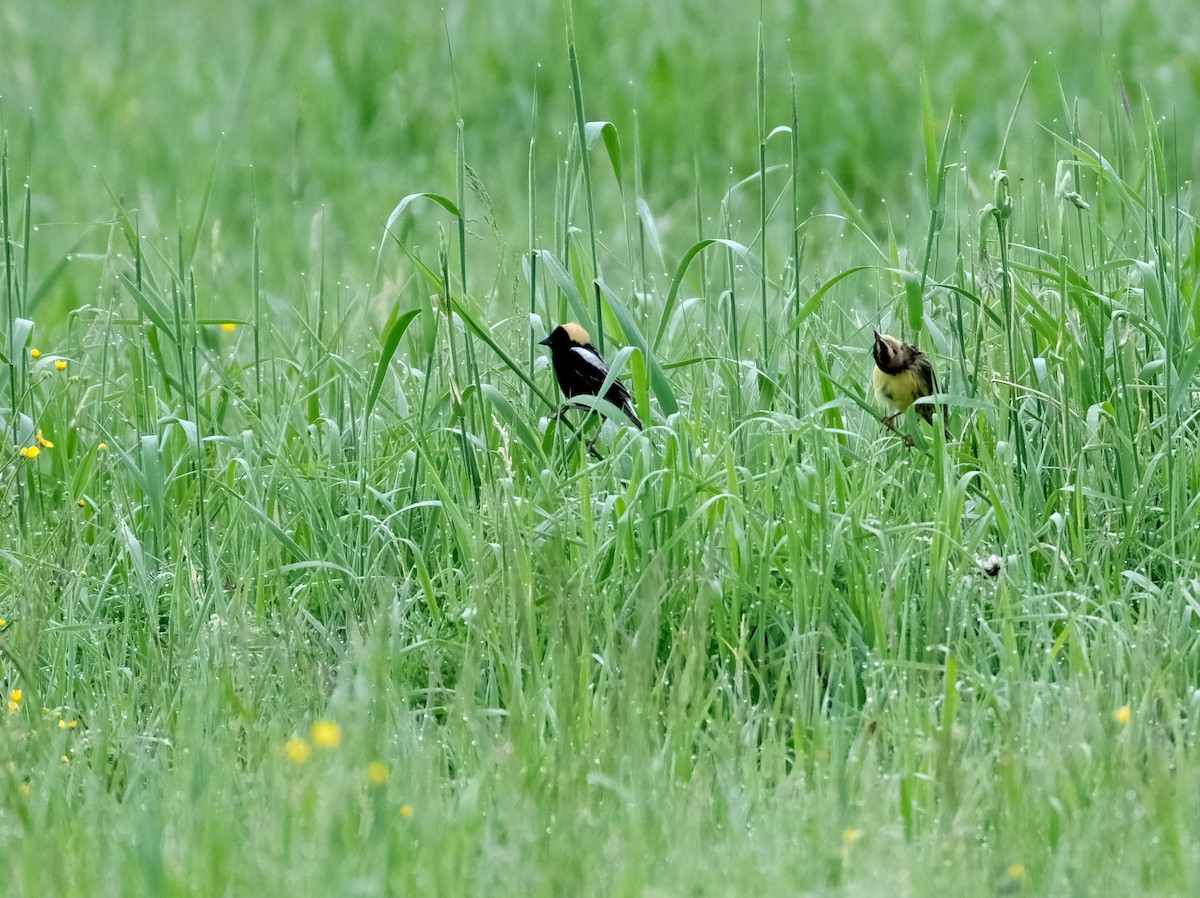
(590, 362)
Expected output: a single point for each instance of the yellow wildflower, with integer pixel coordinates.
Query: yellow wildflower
(61, 364)
(406, 811)
(850, 835)
(1123, 715)
(35, 354)
(229, 327)
(297, 750)
(326, 734)
(103, 447)
(377, 773)
(14, 700)
(30, 451)
(42, 441)
(25, 789)
(3, 623)
(67, 724)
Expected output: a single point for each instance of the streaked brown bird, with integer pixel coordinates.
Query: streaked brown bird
(903, 375)
(581, 370)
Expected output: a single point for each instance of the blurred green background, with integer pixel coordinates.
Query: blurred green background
(314, 109)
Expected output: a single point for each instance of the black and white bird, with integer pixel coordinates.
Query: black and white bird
(581, 370)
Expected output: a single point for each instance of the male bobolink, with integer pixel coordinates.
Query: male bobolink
(903, 375)
(581, 370)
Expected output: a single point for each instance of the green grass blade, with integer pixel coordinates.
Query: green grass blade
(633, 334)
(391, 342)
(693, 251)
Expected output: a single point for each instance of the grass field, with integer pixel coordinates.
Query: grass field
(305, 590)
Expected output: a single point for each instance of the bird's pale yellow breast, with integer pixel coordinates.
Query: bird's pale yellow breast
(897, 391)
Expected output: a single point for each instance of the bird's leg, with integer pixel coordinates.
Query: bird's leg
(591, 446)
(561, 415)
(889, 423)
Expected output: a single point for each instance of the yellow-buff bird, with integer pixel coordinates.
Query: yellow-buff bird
(902, 375)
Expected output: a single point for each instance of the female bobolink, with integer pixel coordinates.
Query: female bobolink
(581, 370)
(902, 375)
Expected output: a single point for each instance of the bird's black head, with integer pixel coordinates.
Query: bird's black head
(567, 335)
(891, 355)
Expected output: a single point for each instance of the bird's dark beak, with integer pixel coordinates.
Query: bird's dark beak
(545, 342)
(876, 333)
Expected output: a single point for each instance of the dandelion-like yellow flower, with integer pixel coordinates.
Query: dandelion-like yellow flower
(35, 354)
(103, 447)
(61, 364)
(1015, 872)
(3, 623)
(377, 773)
(229, 327)
(850, 835)
(1123, 715)
(298, 750)
(67, 724)
(30, 451)
(42, 441)
(326, 734)
(14, 700)
(406, 811)
(66, 759)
